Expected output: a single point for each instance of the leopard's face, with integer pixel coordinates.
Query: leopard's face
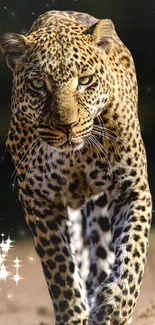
(62, 84)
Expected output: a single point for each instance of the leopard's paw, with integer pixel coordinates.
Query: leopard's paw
(111, 307)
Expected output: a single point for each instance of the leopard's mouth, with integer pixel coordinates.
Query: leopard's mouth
(61, 141)
(65, 143)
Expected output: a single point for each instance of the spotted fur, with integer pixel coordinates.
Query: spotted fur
(81, 166)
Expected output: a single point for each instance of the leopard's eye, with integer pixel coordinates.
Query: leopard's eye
(36, 83)
(86, 80)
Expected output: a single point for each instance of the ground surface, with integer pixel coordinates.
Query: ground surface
(29, 302)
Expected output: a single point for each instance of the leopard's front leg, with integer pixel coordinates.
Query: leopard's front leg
(130, 222)
(50, 230)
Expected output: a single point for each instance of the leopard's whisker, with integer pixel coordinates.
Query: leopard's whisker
(88, 141)
(33, 159)
(44, 165)
(21, 161)
(3, 139)
(102, 149)
(93, 140)
(104, 135)
(113, 135)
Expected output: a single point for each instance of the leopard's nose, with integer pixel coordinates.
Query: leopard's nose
(66, 128)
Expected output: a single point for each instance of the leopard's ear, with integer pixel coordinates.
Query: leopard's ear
(13, 46)
(102, 34)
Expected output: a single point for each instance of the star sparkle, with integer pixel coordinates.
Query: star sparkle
(3, 272)
(17, 262)
(16, 278)
(6, 270)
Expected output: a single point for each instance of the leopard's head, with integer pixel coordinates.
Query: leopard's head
(62, 79)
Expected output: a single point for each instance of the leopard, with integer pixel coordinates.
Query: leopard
(80, 163)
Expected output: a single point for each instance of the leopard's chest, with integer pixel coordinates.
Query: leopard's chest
(74, 180)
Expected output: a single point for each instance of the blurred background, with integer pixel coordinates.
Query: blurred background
(135, 24)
